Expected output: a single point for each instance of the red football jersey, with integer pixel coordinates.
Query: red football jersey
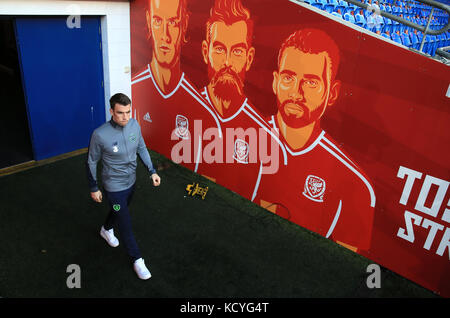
(323, 190)
(244, 134)
(168, 119)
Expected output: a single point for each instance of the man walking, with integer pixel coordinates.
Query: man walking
(117, 143)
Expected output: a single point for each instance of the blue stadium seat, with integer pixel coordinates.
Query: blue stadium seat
(323, 2)
(348, 10)
(354, 8)
(396, 38)
(434, 44)
(337, 15)
(328, 8)
(426, 45)
(414, 39)
(367, 13)
(442, 39)
(340, 7)
(349, 17)
(406, 40)
(317, 5)
(395, 28)
(388, 8)
(419, 40)
(334, 3)
(359, 19)
(390, 28)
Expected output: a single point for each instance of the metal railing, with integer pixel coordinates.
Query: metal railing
(442, 51)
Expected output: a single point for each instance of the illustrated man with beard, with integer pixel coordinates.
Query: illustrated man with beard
(166, 103)
(228, 53)
(321, 188)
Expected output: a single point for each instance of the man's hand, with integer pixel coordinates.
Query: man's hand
(156, 179)
(97, 196)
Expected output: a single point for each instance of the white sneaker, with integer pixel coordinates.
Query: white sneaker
(141, 270)
(109, 237)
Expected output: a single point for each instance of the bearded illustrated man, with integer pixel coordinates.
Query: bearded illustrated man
(228, 54)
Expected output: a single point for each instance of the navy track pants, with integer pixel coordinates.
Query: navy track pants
(119, 215)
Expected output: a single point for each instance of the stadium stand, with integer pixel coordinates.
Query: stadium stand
(410, 10)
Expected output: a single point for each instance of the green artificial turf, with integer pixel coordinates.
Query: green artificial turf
(223, 246)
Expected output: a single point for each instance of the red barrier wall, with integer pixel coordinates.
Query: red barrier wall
(372, 173)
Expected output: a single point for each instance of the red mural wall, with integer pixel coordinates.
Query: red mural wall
(329, 127)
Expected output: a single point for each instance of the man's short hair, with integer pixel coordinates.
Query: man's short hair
(313, 41)
(120, 99)
(229, 12)
(184, 15)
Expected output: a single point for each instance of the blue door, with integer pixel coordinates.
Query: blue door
(62, 75)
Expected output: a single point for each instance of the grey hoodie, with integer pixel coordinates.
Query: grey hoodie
(117, 147)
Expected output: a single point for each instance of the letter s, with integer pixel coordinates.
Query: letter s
(409, 236)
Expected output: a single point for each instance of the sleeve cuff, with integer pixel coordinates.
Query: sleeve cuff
(94, 189)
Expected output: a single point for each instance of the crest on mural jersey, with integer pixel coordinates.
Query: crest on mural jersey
(314, 188)
(182, 127)
(241, 151)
